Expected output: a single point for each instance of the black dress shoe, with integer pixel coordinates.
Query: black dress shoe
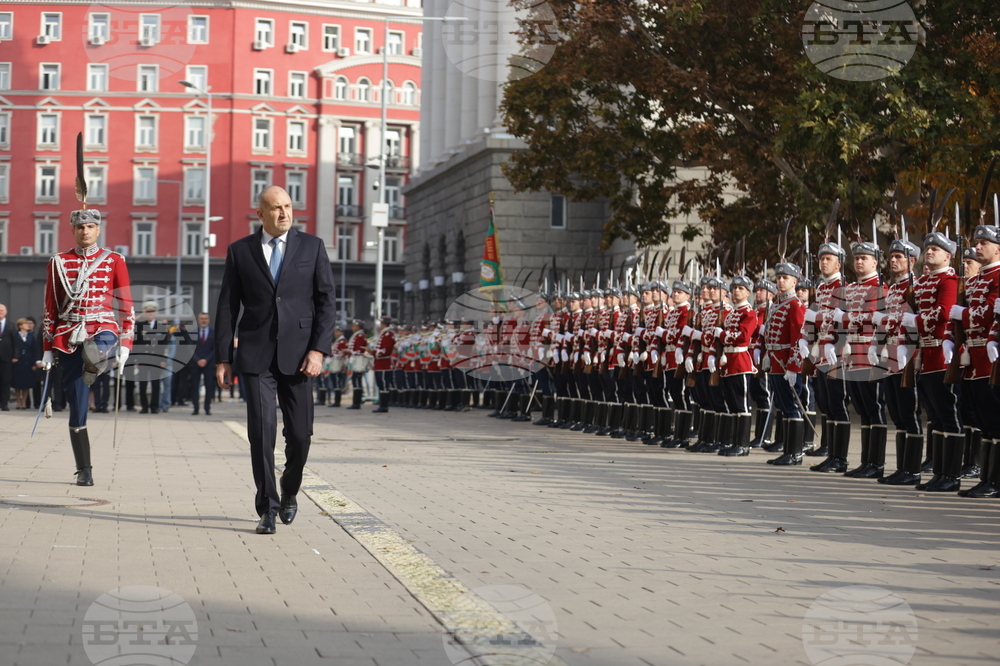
(289, 507)
(141, 411)
(266, 524)
(194, 413)
(208, 412)
(84, 477)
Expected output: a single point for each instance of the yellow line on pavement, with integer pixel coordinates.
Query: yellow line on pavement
(468, 617)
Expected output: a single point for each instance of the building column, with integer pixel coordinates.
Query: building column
(416, 146)
(326, 182)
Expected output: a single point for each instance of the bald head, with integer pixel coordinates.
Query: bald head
(274, 208)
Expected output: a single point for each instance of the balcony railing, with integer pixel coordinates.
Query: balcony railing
(397, 212)
(397, 162)
(345, 210)
(355, 160)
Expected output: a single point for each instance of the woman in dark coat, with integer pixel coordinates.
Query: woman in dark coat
(22, 376)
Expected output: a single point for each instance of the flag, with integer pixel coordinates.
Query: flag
(491, 272)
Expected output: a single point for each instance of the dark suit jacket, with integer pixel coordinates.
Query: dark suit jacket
(298, 313)
(7, 347)
(204, 350)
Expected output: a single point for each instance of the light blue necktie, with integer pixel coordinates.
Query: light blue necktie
(275, 259)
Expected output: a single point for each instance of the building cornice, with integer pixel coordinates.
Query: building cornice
(341, 64)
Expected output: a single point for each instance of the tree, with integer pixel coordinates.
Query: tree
(637, 89)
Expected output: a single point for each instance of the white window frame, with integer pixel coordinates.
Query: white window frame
(9, 22)
(394, 148)
(95, 29)
(147, 147)
(327, 37)
(300, 200)
(268, 136)
(257, 186)
(188, 145)
(347, 243)
(200, 79)
(141, 78)
(93, 69)
(41, 131)
(392, 241)
(150, 31)
(259, 78)
(338, 88)
(5, 77)
(300, 150)
(137, 181)
(341, 178)
(40, 197)
(190, 28)
(190, 200)
(4, 185)
(53, 35)
(5, 117)
(269, 42)
(357, 34)
(136, 245)
(88, 136)
(304, 43)
(365, 84)
(50, 228)
(42, 75)
(408, 95)
(3, 235)
(192, 238)
(304, 83)
(402, 42)
(386, 87)
(97, 195)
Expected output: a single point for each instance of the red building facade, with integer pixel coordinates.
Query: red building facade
(295, 101)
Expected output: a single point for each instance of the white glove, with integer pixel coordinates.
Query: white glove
(564, 355)
(635, 358)
(689, 364)
(723, 361)
(591, 331)
(902, 355)
(791, 378)
(803, 348)
(877, 318)
(696, 335)
(873, 355)
(993, 351)
(756, 356)
(948, 347)
(829, 354)
(47, 360)
(710, 363)
(910, 321)
(576, 357)
(810, 316)
(716, 332)
(640, 330)
(838, 313)
(643, 356)
(123, 353)
(546, 332)
(687, 330)
(957, 311)
(626, 337)
(679, 355)
(586, 358)
(655, 356)
(659, 331)
(496, 320)
(568, 337)
(621, 360)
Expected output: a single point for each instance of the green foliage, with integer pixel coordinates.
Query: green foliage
(638, 90)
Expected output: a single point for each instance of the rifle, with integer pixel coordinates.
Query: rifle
(953, 375)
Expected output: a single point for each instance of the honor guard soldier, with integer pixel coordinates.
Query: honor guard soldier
(900, 397)
(970, 423)
(384, 346)
(862, 299)
(936, 291)
(88, 321)
(360, 358)
(831, 389)
(673, 355)
(608, 360)
(540, 339)
(736, 368)
(782, 333)
(617, 365)
(978, 319)
(764, 292)
(339, 354)
(711, 398)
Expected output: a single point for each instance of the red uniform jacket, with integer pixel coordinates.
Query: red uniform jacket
(862, 299)
(980, 295)
(935, 294)
(675, 321)
(384, 345)
(895, 332)
(782, 333)
(737, 333)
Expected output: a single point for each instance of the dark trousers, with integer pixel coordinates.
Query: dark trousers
(5, 368)
(759, 392)
(295, 398)
(677, 387)
(708, 397)
(941, 402)
(382, 379)
(77, 393)
(102, 391)
(624, 386)
(831, 397)
(867, 400)
(357, 380)
(904, 410)
(985, 406)
(198, 375)
(736, 389)
(154, 400)
(654, 390)
(781, 393)
(639, 387)
(609, 386)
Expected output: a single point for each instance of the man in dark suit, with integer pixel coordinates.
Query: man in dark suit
(282, 279)
(7, 331)
(148, 339)
(202, 364)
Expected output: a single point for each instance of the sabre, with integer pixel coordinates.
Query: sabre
(531, 399)
(798, 401)
(44, 405)
(118, 393)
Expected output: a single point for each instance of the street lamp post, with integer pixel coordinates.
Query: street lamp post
(208, 190)
(180, 232)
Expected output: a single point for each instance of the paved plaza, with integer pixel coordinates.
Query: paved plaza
(533, 545)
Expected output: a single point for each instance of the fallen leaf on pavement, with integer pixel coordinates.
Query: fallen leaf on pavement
(780, 529)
